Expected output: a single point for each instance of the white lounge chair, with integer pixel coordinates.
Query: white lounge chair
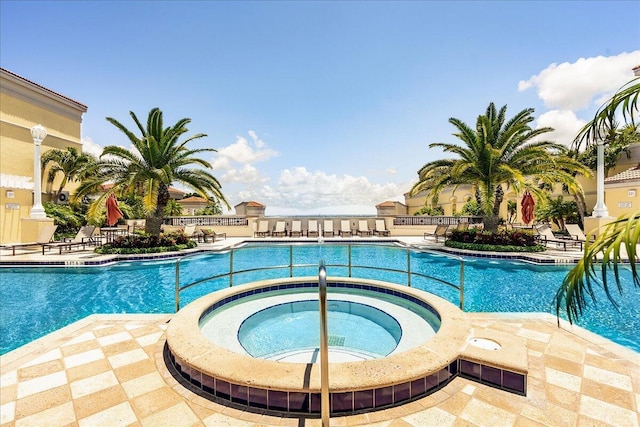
(576, 232)
(280, 230)
(312, 228)
(381, 229)
(44, 237)
(296, 229)
(345, 228)
(327, 230)
(363, 228)
(546, 236)
(263, 229)
(83, 238)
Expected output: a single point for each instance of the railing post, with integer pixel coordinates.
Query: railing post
(290, 260)
(461, 284)
(231, 268)
(177, 285)
(324, 345)
(408, 267)
(349, 263)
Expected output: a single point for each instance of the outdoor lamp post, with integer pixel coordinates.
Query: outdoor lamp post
(38, 133)
(600, 209)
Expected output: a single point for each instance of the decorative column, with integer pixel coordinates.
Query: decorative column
(38, 133)
(600, 210)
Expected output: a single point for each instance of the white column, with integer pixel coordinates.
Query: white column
(600, 210)
(38, 133)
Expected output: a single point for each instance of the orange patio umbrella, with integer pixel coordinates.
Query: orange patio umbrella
(113, 211)
(527, 207)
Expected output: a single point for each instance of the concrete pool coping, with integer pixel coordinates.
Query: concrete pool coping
(196, 355)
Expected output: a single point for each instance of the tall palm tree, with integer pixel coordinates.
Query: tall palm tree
(158, 159)
(496, 153)
(71, 163)
(577, 288)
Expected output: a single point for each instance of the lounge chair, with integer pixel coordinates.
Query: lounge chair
(440, 231)
(191, 232)
(381, 229)
(83, 238)
(576, 232)
(280, 230)
(134, 225)
(208, 233)
(546, 236)
(327, 230)
(296, 229)
(44, 237)
(345, 228)
(263, 229)
(312, 228)
(363, 228)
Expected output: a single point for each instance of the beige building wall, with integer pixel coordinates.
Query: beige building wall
(24, 104)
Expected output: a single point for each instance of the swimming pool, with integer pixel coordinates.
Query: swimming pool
(36, 301)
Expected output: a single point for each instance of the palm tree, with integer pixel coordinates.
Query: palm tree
(577, 288)
(156, 161)
(70, 163)
(494, 154)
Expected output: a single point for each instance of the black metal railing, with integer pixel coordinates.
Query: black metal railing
(349, 265)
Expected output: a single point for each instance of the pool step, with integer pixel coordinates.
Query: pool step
(336, 341)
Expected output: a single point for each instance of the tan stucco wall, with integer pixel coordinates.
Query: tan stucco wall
(24, 104)
(619, 199)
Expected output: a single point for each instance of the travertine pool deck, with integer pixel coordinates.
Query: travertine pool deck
(108, 370)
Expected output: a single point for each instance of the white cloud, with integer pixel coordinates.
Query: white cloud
(565, 124)
(242, 152)
(584, 83)
(301, 191)
(90, 147)
(248, 174)
(391, 171)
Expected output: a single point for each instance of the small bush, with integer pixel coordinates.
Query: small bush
(493, 248)
(141, 244)
(501, 238)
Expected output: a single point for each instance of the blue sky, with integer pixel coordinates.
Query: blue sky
(322, 107)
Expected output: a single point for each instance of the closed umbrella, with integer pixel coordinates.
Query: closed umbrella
(527, 207)
(113, 211)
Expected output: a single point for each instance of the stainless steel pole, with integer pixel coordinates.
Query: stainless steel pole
(324, 345)
(178, 285)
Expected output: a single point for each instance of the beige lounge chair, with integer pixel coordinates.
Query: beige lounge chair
(576, 232)
(345, 228)
(440, 231)
(363, 228)
(83, 238)
(208, 233)
(280, 230)
(44, 237)
(191, 232)
(296, 229)
(312, 228)
(327, 230)
(546, 236)
(381, 229)
(263, 229)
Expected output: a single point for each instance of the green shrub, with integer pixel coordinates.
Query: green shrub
(514, 238)
(493, 248)
(144, 243)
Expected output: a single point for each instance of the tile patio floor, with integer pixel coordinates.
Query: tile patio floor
(108, 370)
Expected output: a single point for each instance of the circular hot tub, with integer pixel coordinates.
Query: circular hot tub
(256, 345)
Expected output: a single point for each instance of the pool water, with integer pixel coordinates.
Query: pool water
(294, 326)
(36, 301)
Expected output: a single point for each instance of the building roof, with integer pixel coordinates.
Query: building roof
(79, 104)
(251, 204)
(193, 199)
(386, 204)
(631, 174)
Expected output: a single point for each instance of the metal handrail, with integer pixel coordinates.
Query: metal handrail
(230, 274)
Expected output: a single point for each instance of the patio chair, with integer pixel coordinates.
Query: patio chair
(363, 228)
(312, 228)
(263, 229)
(440, 231)
(296, 229)
(545, 236)
(576, 232)
(208, 233)
(381, 229)
(44, 237)
(327, 230)
(191, 232)
(280, 230)
(84, 237)
(345, 228)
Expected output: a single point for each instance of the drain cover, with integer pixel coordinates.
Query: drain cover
(336, 341)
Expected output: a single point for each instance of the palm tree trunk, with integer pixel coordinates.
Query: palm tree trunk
(492, 220)
(154, 222)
